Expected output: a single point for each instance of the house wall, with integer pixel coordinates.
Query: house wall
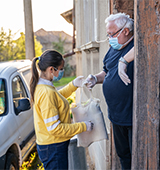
(49, 45)
(90, 26)
(90, 18)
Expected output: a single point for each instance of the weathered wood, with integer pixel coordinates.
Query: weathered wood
(145, 153)
(126, 6)
(29, 35)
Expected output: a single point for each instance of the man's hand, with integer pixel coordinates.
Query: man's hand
(90, 81)
(122, 69)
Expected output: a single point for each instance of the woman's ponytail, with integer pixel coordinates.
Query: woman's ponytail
(47, 59)
(34, 78)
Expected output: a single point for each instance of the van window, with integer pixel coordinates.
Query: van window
(18, 90)
(27, 76)
(2, 96)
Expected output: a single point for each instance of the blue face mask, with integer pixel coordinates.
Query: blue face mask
(60, 75)
(114, 42)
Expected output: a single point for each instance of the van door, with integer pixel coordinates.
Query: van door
(25, 118)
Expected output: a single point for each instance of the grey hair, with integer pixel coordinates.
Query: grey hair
(121, 20)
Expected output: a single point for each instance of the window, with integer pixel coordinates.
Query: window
(18, 90)
(27, 75)
(2, 96)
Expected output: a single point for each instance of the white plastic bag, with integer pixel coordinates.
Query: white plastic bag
(89, 111)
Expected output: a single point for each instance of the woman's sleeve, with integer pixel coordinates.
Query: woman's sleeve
(50, 115)
(67, 90)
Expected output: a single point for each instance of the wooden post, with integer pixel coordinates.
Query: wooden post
(145, 150)
(29, 35)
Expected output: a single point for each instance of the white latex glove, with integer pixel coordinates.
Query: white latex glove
(122, 69)
(77, 82)
(90, 81)
(89, 125)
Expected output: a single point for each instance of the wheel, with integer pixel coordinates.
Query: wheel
(12, 162)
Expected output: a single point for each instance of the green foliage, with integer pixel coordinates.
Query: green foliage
(68, 68)
(70, 101)
(11, 49)
(59, 46)
(20, 47)
(38, 47)
(32, 162)
(6, 45)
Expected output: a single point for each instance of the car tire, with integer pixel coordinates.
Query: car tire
(12, 162)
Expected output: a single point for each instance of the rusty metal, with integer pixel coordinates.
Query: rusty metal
(68, 54)
(73, 21)
(73, 39)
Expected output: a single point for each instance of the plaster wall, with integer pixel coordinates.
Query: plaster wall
(90, 27)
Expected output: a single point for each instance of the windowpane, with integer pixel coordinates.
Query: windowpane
(2, 96)
(18, 90)
(27, 75)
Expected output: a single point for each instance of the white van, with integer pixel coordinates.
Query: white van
(17, 135)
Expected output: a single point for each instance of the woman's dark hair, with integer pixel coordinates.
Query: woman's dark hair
(47, 59)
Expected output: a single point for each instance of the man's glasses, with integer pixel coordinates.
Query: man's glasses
(111, 36)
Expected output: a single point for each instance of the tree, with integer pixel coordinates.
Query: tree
(6, 45)
(20, 47)
(19, 50)
(59, 46)
(11, 49)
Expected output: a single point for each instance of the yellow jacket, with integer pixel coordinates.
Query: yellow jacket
(51, 114)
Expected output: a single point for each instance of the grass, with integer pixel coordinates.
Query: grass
(63, 81)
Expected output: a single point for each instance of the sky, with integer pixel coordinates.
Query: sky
(45, 13)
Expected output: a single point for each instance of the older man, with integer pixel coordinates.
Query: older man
(118, 96)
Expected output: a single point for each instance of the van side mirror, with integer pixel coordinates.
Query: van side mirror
(23, 105)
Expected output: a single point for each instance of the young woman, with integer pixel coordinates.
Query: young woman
(51, 111)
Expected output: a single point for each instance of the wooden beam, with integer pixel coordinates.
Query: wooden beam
(29, 35)
(145, 150)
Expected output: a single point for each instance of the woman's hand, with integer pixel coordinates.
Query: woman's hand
(89, 125)
(77, 82)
